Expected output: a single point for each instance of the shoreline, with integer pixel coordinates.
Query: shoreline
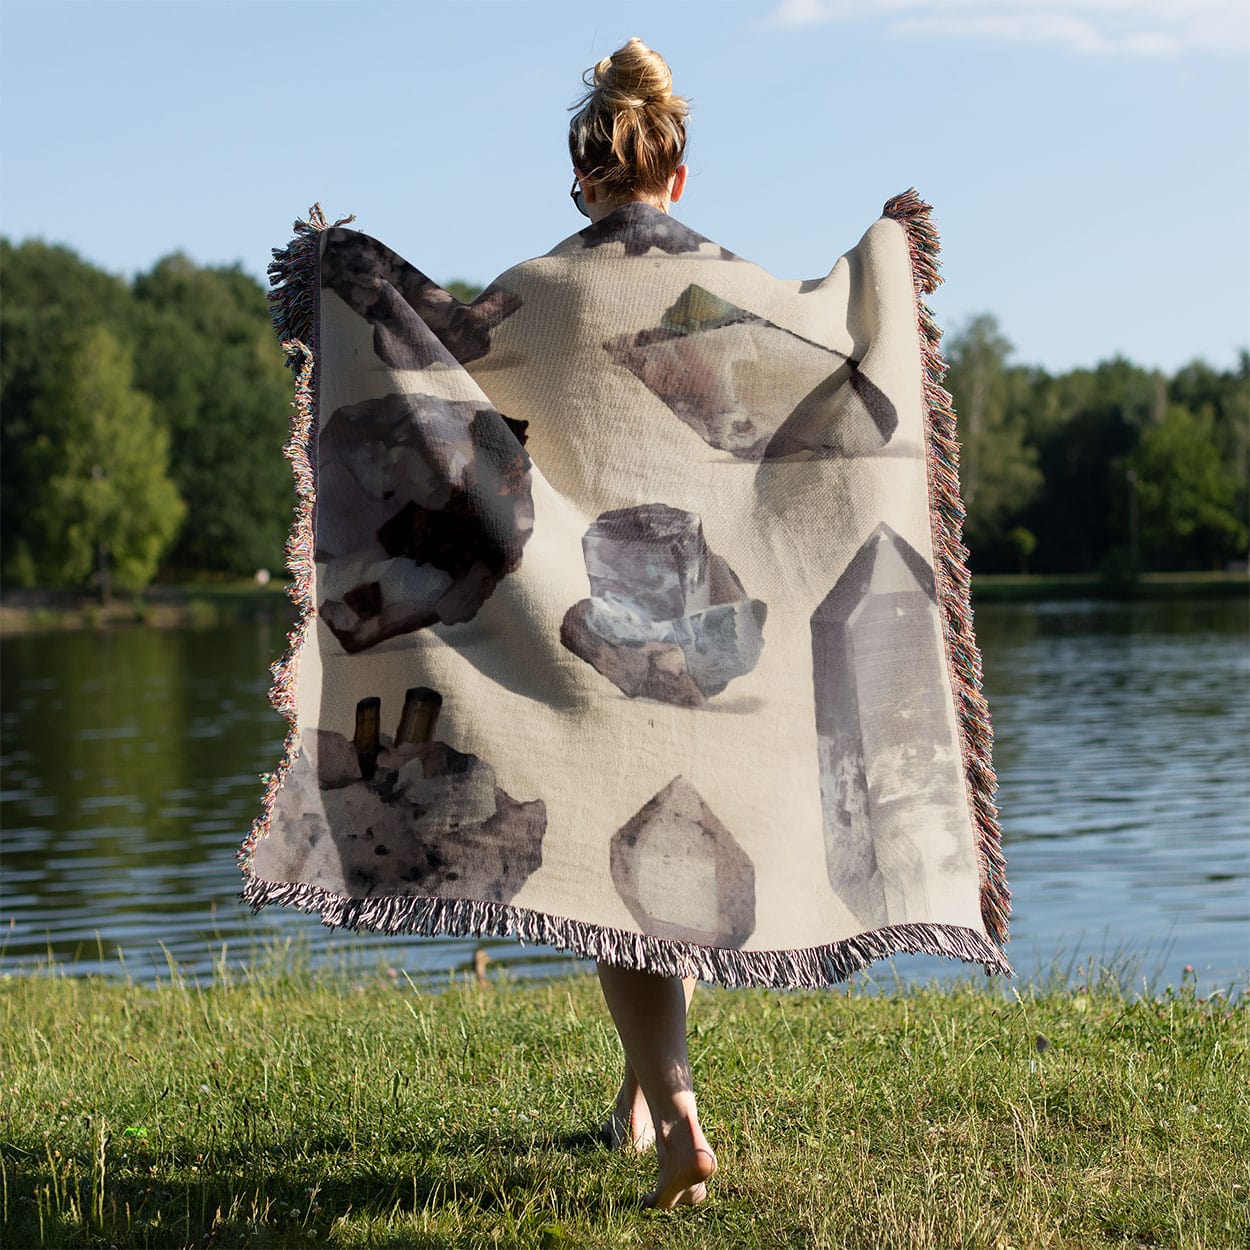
(199, 604)
(163, 606)
(1034, 587)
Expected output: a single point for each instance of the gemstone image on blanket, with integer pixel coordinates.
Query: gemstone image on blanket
(667, 618)
(889, 767)
(412, 815)
(404, 306)
(703, 359)
(431, 509)
(641, 227)
(681, 873)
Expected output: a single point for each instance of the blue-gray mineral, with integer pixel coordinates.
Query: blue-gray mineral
(667, 618)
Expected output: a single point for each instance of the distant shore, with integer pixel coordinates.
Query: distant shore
(25, 611)
(1000, 587)
(163, 605)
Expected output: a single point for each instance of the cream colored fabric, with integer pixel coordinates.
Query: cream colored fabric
(748, 739)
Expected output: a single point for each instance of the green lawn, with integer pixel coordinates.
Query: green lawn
(282, 1108)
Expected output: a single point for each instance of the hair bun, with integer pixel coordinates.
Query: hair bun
(634, 76)
(629, 131)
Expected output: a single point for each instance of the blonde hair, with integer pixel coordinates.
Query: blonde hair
(629, 133)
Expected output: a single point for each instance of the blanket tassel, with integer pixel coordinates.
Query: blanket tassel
(810, 968)
(293, 303)
(953, 578)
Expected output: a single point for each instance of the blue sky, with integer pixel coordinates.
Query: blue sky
(1088, 160)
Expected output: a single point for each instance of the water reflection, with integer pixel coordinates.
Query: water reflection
(131, 762)
(1122, 733)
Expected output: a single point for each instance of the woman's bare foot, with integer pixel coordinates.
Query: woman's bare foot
(686, 1165)
(629, 1126)
(649, 1011)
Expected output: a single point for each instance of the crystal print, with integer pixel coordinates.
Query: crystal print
(890, 774)
(667, 618)
(410, 815)
(681, 873)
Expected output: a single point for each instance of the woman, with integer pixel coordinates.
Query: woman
(635, 617)
(627, 141)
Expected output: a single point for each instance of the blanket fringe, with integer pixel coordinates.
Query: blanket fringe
(293, 303)
(810, 968)
(953, 578)
(294, 288)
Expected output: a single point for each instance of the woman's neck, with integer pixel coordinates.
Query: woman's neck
(601, 209)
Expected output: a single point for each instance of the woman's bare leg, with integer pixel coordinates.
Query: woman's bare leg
(650, 1016)
(629, 1125)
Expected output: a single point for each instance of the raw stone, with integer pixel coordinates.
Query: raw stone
(681, 873)
(667, 618)
(431, 820)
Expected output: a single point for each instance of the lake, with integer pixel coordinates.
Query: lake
(131, 757)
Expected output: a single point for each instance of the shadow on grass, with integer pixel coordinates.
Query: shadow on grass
(255, 1198)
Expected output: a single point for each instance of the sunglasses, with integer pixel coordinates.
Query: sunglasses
(576, 196)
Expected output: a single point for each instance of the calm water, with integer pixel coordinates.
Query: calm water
(131, 760)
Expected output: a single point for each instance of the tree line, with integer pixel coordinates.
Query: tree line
(141, 425)
(1113, 470)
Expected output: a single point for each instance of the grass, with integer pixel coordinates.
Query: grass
(282, 1107)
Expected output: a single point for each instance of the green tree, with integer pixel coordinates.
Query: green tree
(1085, 424)
(997, 467)
(465, 292)
(1023, 543)
(1186, 494)
(1221, 397)
(51, 299)
(208, 357)
(103, 504)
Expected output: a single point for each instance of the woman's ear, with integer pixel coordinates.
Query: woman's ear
(588, 186)
(678, 184)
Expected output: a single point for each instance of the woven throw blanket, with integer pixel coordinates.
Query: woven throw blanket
(634, 617)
